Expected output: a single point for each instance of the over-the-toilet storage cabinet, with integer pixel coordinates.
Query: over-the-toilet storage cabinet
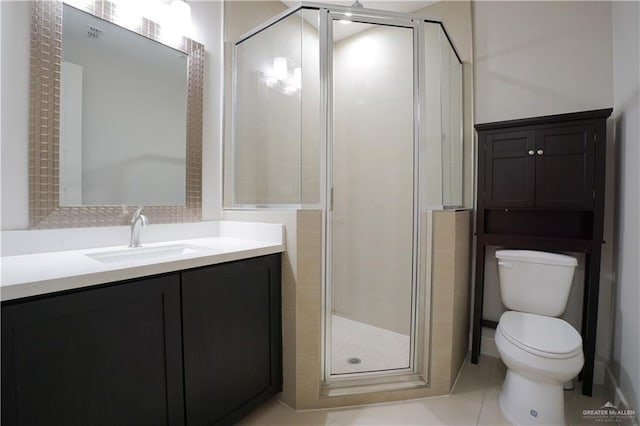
(541, 186)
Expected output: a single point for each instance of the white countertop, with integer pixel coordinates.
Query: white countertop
(41, 273)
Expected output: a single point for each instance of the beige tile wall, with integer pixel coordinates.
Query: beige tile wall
(450, 286)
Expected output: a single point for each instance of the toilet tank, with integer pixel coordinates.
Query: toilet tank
(534, 281)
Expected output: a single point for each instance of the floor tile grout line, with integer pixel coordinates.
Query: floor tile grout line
(484, 394)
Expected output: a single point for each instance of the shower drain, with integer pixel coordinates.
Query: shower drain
(354, 360)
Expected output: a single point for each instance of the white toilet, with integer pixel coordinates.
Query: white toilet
(541, 352)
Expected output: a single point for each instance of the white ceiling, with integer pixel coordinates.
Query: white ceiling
(343, 31)
(392, 5)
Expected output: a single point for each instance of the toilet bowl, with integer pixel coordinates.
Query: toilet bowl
(540, 353)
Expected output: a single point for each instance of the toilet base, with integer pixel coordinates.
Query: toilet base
(527, 402)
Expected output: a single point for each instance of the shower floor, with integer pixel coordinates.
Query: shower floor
(377, 348)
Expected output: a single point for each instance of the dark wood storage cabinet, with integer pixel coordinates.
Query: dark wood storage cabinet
(548, 167)
(541, 187)
(201, 347)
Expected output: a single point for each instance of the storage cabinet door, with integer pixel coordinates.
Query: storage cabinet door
(564, 167)
(509, 169)
(107, 356)
(232, 343)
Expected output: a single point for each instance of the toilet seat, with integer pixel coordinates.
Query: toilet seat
(540, 335)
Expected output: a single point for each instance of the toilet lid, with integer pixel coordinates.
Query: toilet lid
(541, 335)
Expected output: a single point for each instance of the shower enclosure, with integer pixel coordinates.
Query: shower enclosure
(357, 112)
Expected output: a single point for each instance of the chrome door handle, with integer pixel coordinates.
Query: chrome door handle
(531, 152)
(540, 152)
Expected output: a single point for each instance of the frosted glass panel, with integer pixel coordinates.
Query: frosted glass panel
(441, 147)
(451, 106)
(268, 132)
(276, 146)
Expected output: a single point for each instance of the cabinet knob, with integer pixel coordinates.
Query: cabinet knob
(540, 152)
(531, 152)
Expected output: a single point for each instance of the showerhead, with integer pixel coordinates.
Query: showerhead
(357, 4)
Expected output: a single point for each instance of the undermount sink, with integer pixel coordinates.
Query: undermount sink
(134, 254)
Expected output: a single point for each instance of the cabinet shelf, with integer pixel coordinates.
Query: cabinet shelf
(538, 243)
(567, 224)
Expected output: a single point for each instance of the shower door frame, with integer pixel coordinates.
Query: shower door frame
(327, 16)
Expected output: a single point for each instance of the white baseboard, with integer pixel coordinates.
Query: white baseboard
(599, 369)
(488, 345)
(619, 400)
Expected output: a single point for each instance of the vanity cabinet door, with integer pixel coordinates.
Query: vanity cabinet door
(232, 339)
(105, 356)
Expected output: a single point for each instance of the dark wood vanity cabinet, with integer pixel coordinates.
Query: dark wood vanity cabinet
(107, 356)
(200, 347)
(541, 187)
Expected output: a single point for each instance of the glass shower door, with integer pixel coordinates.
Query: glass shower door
(372, 213)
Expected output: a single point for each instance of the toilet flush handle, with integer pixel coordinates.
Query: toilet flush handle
(504, 264)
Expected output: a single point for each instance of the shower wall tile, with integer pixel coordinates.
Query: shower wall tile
(308, 306)
(451, 289)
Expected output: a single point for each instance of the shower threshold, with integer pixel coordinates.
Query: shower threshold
(367, 359)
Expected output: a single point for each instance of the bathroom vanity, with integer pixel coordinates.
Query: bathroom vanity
(197, 345)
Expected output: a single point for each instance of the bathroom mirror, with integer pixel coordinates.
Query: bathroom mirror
(116, 118)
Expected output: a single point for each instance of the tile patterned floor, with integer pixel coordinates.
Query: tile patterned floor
(474, 401)
(377, 348)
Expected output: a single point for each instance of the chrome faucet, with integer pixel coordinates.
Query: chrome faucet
(137, 222)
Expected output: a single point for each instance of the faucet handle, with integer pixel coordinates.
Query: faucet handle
(137, 214)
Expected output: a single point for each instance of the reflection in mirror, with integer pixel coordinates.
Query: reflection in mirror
(123, 103)
(112, 127)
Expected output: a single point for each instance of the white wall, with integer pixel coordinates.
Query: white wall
(539, 58)
(625, 361)
(207, 18)
(15, 36)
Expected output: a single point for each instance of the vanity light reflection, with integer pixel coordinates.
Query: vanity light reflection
(279, 78)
